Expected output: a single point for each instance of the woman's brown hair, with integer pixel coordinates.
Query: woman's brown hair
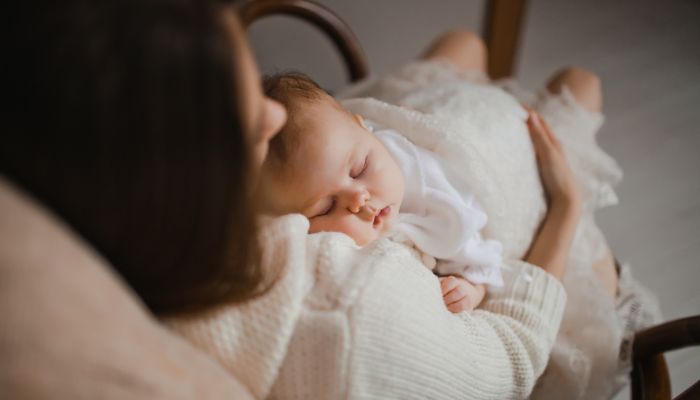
(124, 121)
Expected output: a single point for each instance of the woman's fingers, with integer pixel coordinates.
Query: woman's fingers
(542, 134)
(557, 177)
(539, 137)
(550, 134)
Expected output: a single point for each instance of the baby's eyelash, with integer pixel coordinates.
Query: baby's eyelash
(327, 211)
(364, 168)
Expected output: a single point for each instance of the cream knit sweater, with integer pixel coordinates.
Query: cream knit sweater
(349, 322)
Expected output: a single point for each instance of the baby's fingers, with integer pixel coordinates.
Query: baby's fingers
(463, 305)
(455, 295)
(448, 283)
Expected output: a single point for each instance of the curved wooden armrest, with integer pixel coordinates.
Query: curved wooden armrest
(319, 16)
(650, 378)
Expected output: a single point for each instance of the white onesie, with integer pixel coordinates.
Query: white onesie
(436, 218)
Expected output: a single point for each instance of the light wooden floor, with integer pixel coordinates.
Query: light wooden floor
(647, 53)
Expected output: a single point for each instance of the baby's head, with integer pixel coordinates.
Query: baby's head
(327, 166)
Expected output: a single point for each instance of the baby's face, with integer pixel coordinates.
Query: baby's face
(341, 176)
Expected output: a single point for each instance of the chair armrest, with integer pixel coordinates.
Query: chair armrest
(650, 378)
(319, 16)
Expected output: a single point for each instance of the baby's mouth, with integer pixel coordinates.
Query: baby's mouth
(383, 213)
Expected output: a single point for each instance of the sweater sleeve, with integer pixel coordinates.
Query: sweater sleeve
(525, 316)
(348, 322)
(406, 344)
(251, 339)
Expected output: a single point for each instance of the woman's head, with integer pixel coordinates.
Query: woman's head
(142, 123)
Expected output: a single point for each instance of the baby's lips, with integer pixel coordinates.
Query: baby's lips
(367, 212)
(385, 211)
(381, 215)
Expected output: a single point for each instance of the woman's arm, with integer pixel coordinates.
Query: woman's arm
(399, 341)
(371, 322)
(550, 248)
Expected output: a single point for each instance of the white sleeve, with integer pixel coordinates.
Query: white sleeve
(447, 226)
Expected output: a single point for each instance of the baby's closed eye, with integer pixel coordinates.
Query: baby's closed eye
(360, 168)
(327, 209)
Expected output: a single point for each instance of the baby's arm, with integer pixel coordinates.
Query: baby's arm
(461, 295)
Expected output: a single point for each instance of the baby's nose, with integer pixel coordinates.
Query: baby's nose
(357, 200)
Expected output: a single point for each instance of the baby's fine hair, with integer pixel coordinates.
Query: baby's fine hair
(293, 90)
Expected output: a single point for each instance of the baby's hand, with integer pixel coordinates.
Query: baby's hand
(460, 294)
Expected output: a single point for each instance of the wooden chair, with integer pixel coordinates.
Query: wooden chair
(503, 19)
(319, 16)
(650, 379)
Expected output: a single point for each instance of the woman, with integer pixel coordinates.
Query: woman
(153, 126)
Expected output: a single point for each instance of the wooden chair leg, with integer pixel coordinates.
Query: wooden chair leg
(650, 379)
(692, 393)
(656, 388)
(502, 27)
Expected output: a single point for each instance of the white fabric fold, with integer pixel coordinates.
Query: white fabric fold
(440, 220)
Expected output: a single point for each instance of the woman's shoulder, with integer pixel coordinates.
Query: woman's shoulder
(333, 267)
(343, 269)
(285, 226)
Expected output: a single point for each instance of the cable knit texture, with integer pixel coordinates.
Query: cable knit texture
(349, 322)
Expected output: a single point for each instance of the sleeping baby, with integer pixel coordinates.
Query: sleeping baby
(349, 175)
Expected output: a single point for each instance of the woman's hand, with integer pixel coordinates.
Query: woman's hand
(557, 178)
(550, 248)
